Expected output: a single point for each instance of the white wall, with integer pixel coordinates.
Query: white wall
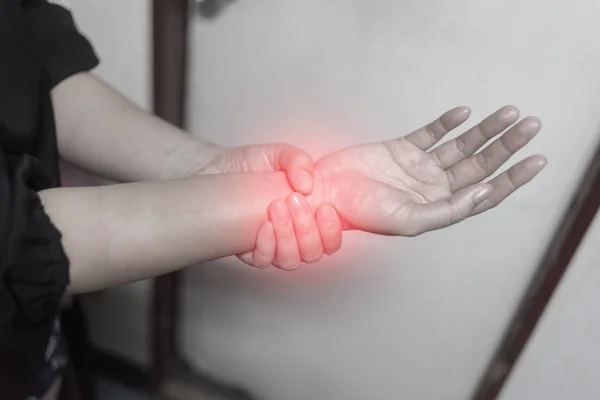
(387, 318)
(120, 32)
(562, 360)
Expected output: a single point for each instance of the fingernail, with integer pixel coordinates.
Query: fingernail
(462, 112)
(305, 179)
(328, 213)
(296, 202)
(280, 212)
(482, 194)
(541, 161)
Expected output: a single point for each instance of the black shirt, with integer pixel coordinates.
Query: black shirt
(39, 47)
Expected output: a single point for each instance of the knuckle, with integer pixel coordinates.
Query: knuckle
(302, 217)
(461, 146)
(457, 213)
(430, 133)
(264, 253)
(481, 161)
(286, 234)
(485, 130)
(307, 230)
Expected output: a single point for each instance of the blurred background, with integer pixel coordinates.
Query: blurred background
(386, 318)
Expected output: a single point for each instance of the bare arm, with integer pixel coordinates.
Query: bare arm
(123, 233)
(103, 137)
(103, 132)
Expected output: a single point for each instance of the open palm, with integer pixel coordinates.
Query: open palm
(406, 186)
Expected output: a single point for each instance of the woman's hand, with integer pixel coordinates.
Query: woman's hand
(295, 234)
(404, 187)
(296, 163)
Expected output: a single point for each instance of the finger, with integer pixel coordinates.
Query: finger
(287, 255)
(468, 143)
(486, 162)
(429, 135)
(305, 225)
(330, 228)
(512, 179)
(264, 253)
(432, 216)
(296, 163)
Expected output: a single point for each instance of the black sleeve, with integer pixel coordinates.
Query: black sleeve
(33, 269)
(63, 50)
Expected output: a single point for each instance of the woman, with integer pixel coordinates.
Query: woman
(188, 201)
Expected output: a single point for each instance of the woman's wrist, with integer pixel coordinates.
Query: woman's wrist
(198, 158)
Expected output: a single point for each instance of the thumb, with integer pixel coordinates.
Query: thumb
(296, 163)
(429, 217)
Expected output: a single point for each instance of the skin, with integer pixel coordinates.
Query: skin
(124, 233)
(423, 189)
(296, 234)
(407, 187)
(404, 187)
(91, 119)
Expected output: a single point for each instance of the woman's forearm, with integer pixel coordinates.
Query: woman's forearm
(128, 232)
(104, 133)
